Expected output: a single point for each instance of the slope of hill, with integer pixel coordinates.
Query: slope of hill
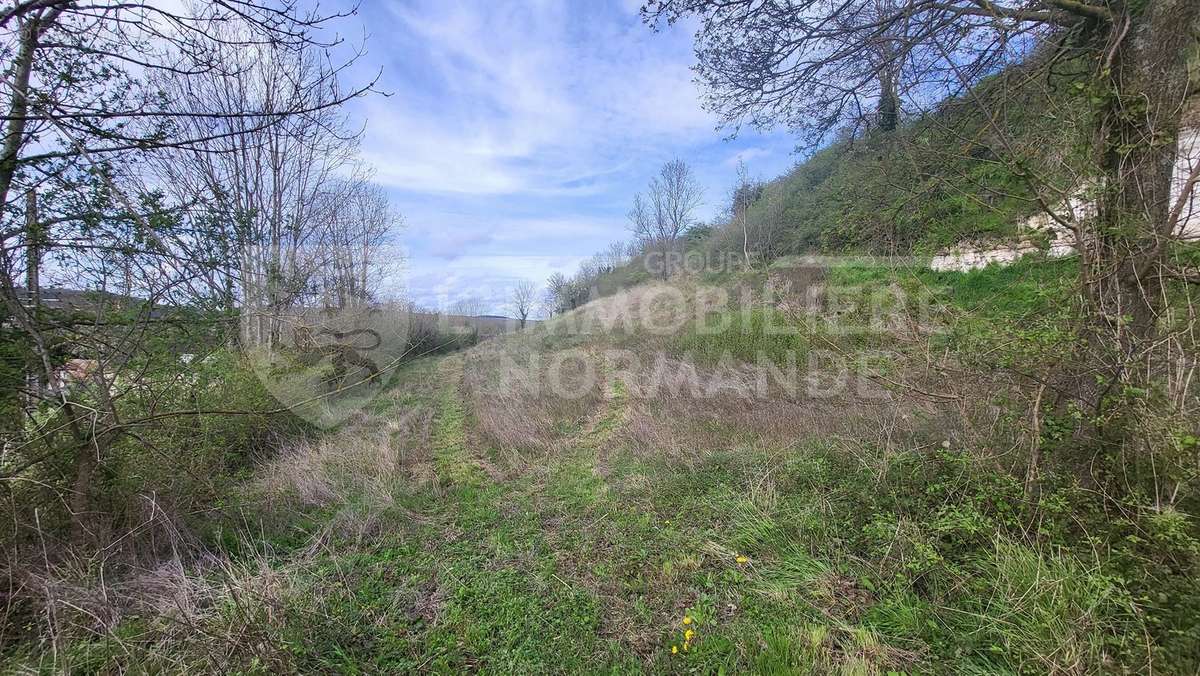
(934, 182)
(980, 168)
(677, 478)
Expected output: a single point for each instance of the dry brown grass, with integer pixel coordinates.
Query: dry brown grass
(521, 400)
(205, 605)
(366, 461)
(675, 408)
(695, 408)
(649, 312)
(329, 471)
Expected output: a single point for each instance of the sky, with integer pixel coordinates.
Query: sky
(516, 132)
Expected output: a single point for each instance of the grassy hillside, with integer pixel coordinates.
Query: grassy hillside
(972, 168)
(617, 491)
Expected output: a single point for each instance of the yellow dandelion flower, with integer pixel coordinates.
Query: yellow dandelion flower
(674, 650)
(687, 619)
(741, 560)
(687, 635)
(686, 646)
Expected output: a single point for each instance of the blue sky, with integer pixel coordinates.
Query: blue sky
(517, 132)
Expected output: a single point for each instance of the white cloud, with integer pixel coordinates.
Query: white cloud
(444, 235)
(490, 278)
(747, 155)
(449, 245)
(517, 131)
(518, 97)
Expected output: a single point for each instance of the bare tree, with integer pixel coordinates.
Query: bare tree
(523, 300)
(615, 254)
(658, 220)
(675, 195)
(82, 76)
(278, 183)
(469, 306)
(349, 259)
(556, 293)
(86, 103)
(641, 220)
(745, 192)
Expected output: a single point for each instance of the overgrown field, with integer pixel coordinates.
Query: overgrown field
(603, 494)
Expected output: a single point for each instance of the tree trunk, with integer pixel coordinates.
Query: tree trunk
(1142, 81)
(889, 106)
(80, 502)
(33, 252)
(34, 378)
(745, 238)
(14, 135)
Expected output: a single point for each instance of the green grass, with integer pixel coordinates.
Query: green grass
(1031, 286)
(567, 570)
(1014, 316)
(754, 335)
(819, 556)
(450, 453)
(1034, 294)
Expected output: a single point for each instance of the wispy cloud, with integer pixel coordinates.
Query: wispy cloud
(747, 155)
(524, 126)
(513, 97)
